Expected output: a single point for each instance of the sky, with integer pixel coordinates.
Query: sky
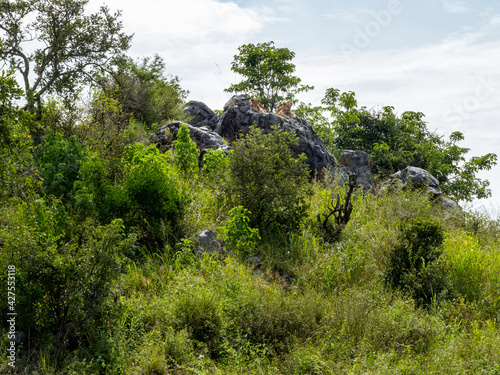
(441, 57)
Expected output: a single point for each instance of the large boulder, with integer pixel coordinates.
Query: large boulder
(238, 116)
(201, 115)
(417, 177)
(359, 162)
(420, 178)
(204, 137)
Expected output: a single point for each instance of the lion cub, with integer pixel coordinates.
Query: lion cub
(256, 105)
(284, 110)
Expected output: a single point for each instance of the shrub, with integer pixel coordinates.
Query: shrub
(238, 233)
(59, 161)
(200, 314)
(268, 181)
(61, 282)
(94, 190)
(187, 153)
(413, 265)
(214, 161)
(158, 199)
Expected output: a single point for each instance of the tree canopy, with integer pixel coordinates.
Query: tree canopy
(55, 44)
(268, 73)
(144, 91)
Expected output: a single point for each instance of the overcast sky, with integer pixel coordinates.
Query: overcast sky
(439, 57)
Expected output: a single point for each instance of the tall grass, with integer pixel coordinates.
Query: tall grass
(311, 307)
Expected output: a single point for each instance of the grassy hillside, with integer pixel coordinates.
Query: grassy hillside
(104, 274)
(105, 296)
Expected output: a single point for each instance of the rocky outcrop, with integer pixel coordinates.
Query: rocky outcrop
(207, 130)
(417, 177)
(420, 178)
(204, 137)
(201, 115)
(358, 162)
(238, 116)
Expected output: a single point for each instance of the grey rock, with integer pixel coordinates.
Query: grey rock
(202, 115)
(359, 162)
(238, 117)
(418, 177)
(207, 241)
(204, 137)
(254, 261)
(449, 205)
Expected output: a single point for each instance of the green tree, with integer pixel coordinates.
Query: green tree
(145, 92)
(68, 45)
(9, 114)
(268, 181)
(395, 142)
(268, 74)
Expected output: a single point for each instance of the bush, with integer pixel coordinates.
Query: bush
(187, 153)
(214, 161)
(268, 181)
(413, 265)
(199, 313)
(158, 199)
(59, 161)
(238, 233)
(96, 193)
(61, 282)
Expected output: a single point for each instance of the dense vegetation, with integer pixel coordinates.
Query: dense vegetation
(101, 228)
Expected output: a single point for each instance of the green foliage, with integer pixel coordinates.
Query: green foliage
(320, 123)
(85, 304)
(147, 193)
(68, 47)
(144, 92)
(268, 181)
(16, 166)
(215, 161)
(412, 265)
(157, 197)
(63, 273)
(105, 129)
(268, 74)
(397, 142)
(59, 161)
(187, 152)
(96, 192)
(9, 114)
(237, 231)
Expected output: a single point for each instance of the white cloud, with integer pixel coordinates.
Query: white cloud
(193, 21)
